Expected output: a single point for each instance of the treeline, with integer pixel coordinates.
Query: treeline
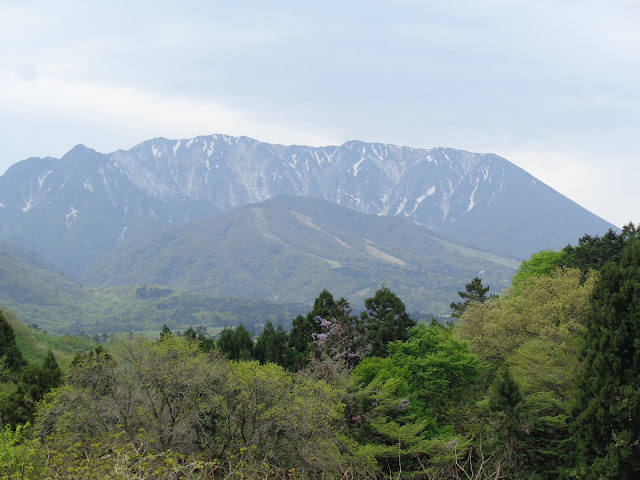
(329, 328)
(540, 382)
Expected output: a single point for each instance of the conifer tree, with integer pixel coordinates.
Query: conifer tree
(8, 348)
(166, 331)
(304, 327)
(607, 420)
(474, 292)
(52, 371)
(385, 320)
(271, 344)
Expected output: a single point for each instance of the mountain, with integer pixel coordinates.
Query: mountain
(291, 248)
(77, 210)
(44, 297)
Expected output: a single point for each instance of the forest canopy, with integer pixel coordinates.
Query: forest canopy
(539, 382)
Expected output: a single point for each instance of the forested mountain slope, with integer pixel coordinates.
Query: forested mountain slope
(290, 248)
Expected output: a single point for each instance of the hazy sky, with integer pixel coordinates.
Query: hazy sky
(553, 86)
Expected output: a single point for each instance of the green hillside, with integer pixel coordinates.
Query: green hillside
(57, 304)
(290, 248)
(34, 343)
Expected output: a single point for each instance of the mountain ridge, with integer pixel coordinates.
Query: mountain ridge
(53, 206)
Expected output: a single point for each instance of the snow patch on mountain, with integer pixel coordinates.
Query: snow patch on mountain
(356, 166)
(69, 217)
(28, 205)
(472, 202)
(43, 178)
(401, 206)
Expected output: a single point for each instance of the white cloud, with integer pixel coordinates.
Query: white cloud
(107, 118)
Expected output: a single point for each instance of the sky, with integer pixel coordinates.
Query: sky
(552, 86)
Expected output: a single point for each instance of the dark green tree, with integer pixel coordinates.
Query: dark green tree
(594, 252)
(165, 332)
(52, 369)
(343, 336)
(271, 344)
(474, 292)
(190, 334)
(8, 348)
(385, 320)
(607, 419)
(35, 382)
(303, 329)
(236, 343)
(207, 344)
(505, 402)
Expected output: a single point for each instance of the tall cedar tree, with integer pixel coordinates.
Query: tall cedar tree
(8, 348)
(35, 382)
(271, 344)
(385, 320)
(236, 343)
(475, 292)
(607, 420)
(505, 403)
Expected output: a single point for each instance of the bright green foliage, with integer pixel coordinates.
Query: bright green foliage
(538, 334)
(405, 401)
(474, 292)
(271, 345)
(441, 367)
(13, 359)
(607, 425)
(550, 307)
(385, 320)
(541, 263)
(153, 397)
(236, 343)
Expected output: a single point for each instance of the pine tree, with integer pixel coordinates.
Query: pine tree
(474, 292)
(607, 419)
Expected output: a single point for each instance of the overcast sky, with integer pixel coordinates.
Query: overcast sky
(552, 86)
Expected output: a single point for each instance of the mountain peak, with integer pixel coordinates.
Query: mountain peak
(481, 199)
